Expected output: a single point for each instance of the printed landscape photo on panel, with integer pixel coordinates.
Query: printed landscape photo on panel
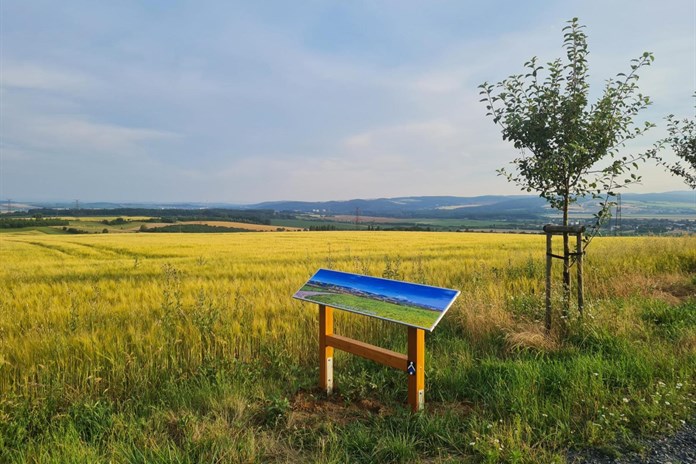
(406, 303)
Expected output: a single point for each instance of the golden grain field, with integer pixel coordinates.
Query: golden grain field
(73, 308)
(190, 348)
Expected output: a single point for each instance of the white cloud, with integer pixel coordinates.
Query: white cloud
(108, 138)
(68, 136)
(435, 132)
(28, 75)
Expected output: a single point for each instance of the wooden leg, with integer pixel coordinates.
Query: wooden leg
(581, 296)
(549, 250)
(416, 369)
(325, 352)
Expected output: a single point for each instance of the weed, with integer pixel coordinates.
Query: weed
(419, 275)
(392, 268)
(275, 411)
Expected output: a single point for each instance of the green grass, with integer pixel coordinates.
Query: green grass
(469, 223)
(307, 223)
(53, 230)
(405, 314)
(435, 223)
(194, 228)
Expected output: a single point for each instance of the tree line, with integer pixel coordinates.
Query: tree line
(19, 223)
(250, 216)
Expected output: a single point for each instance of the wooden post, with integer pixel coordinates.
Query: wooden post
(581, 296)
(551, 230)
(565, 310)
(326, 351)
(549, 256)
(416, 369)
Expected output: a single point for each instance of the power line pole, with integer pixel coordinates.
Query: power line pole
(617, 219)
(9, 205)
(357, 216)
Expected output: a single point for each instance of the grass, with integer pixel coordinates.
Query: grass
(189, 348)
(194, 228)
(405, 314)
(436, 223)
(307, 223)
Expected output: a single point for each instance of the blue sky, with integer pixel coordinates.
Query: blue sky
(251, 101)
(434, 297)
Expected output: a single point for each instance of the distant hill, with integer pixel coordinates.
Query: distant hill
(497, 207)
(488, 206)
(189, 205)
(410, 207)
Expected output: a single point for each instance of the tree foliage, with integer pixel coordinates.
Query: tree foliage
(37, 221)
(568, 147)
(681, 139)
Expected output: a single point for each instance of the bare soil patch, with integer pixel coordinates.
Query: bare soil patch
(313, 407)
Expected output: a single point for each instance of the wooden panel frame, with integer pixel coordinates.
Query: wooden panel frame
(413, 363)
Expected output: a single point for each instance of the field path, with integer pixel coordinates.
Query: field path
(303, 294)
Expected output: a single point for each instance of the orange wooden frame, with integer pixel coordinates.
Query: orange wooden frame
(413, 363)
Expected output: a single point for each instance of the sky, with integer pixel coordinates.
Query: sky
(435, 297)
(243, 102)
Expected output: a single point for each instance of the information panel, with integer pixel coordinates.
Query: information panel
(414, 305)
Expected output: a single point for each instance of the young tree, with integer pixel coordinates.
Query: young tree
(569, 148)
(681, 139)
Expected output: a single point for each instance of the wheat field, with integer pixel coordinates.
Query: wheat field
(189, 348)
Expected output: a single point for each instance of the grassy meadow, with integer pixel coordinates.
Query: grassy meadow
(140, 348)
(401, 313)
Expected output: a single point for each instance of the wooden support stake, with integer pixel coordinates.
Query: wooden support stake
(416, 379)
(326, 351)
(551, 230)
(581, 296)
(549, 257)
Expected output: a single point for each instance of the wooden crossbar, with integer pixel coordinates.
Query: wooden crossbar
(558, 230)
(371, 352)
